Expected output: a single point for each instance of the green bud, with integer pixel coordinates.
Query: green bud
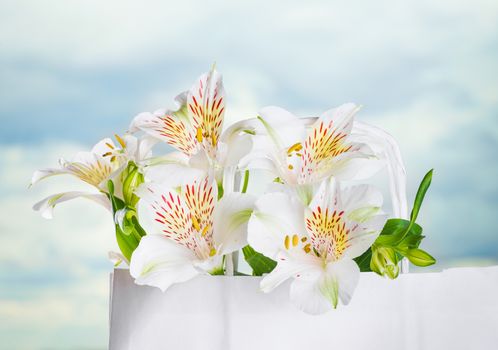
(385, 262)
(132, 178)
(419, 257)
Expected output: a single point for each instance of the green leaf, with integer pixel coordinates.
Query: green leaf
(363, 261)
(259, 263)
(399, 238)
(419, 198)
(419, 257)
(126, 243)
(395, 231)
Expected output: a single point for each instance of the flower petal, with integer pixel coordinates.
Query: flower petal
(275, 216)
(175, 170)
(163, 211)
(360, 196)
(231, 217)
(281, 126)
(234, 150)
(167, 128)
(117, 258)
(306, 295)
(206, 107)
(200, 198)
(160, 262)
(47, 205)
(39, 175)
(317, 291)
(288, 265)
(327, 142)
(347, 274)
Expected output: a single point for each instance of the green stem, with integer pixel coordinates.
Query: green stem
(246, 181)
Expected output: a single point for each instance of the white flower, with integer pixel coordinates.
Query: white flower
(104, 162)
(316, 245)
(188, 231)
(301, 156)
(194, 129)
(94, 167)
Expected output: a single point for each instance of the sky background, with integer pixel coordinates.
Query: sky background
(73, 72)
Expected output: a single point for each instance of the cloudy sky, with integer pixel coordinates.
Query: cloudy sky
(73, 72)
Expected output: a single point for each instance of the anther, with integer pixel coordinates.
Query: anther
(205, 230)
(295, 240)
(287, 242)
(120, 140)
(199, 135)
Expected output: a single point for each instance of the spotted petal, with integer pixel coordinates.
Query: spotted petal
(200, 198)
(94, 167)
(167, 128)
(339, 227)
(326, 141)
(206, 106)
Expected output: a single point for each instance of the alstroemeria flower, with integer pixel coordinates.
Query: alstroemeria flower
(188, 232)
(102, 163)
(94, 168)
(298, 155)
(194, 129)
(315, 245)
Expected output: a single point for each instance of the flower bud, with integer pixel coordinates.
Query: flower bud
(132, 178)
(385, 262)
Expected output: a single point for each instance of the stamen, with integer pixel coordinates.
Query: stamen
(304, 239)
(290, 167)
(198, 136)
(287, 242)
(109, 145)
(120, 140)
(107, 154)
(205, 230)
(195, 224)
(214, 140)
(295, 147)
(212, 252)
(307, 248)
(295, 240)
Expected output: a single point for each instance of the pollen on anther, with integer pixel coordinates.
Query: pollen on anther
(287, 242)
(295, 240)
(199, 135)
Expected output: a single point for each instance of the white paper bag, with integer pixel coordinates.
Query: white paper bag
(455, 309)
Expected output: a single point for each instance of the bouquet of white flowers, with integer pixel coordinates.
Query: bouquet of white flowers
(189, 212)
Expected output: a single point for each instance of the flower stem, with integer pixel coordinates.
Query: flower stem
(246, 181)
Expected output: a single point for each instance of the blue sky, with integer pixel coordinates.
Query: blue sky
(73, 72)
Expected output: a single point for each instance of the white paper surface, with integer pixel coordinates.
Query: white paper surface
(455, 309)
